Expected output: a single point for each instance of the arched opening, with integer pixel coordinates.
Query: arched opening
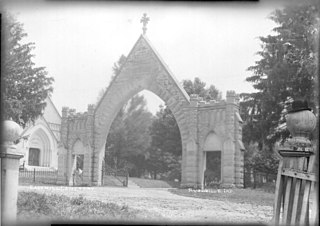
(212, 160)
(142, 69)
(77, 158)
(39, 152)
(144, 139)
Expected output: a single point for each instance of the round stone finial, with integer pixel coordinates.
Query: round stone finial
(300, 121)
(11, 131)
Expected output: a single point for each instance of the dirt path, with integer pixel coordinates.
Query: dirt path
(172, 207)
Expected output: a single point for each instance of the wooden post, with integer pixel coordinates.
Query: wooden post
(293, 185)
(295, 174)
(34, 175)
(127, 179)
(102, 173)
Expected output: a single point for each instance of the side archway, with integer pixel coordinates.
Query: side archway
(77, 162)
(212, 160)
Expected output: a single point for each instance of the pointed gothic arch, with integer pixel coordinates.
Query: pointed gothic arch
(142, 70)
(145, 70)
(40, 147)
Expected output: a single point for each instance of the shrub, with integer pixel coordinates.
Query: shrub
(34, 206)
(32, 201)
(77, 200)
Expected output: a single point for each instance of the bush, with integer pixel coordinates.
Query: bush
(32, 201)
(77, 200)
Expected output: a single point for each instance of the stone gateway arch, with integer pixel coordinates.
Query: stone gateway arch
(205, 127)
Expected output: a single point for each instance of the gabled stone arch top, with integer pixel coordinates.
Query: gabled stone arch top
(143, 69)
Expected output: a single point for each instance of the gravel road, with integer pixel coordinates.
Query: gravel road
(173, 208)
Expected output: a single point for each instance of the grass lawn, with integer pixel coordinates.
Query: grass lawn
(251, 196)
(35, 207)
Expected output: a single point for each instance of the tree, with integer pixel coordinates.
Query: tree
(166, 149)
(286, 71)
(24, 86)
(115, 141)
(198, 87)
(117, 66)
(129, 138)
(165, 132)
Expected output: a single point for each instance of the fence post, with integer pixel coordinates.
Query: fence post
(127, 179)
(34, 175)
(102, 176)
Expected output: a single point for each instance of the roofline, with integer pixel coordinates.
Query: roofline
(54, 107)
(49, 128)
(46, 123)
(107, 90)
(165, 66)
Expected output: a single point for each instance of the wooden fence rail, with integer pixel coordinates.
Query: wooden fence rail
(295, 182)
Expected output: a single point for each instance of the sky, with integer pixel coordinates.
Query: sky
(79, 41)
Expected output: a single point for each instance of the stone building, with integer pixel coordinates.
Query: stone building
(205, 127)
(42, 138)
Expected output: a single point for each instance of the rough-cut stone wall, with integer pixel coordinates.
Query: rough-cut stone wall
(196, 118)
(218, 117)
(75, 127)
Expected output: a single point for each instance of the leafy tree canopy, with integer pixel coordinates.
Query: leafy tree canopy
(129, 138)
(199, 87)
(24, 86)
(165, 151)
(286, 71)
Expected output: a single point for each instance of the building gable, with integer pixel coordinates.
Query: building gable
(51, 114)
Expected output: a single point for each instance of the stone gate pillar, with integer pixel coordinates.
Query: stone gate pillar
(229, 146)
(97, 166)
(62, 150)
(88, 154)
(87, 170)
(190, 158)
(10, 156)
(62, 165)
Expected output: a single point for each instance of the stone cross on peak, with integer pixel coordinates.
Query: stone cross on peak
(144, 20)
